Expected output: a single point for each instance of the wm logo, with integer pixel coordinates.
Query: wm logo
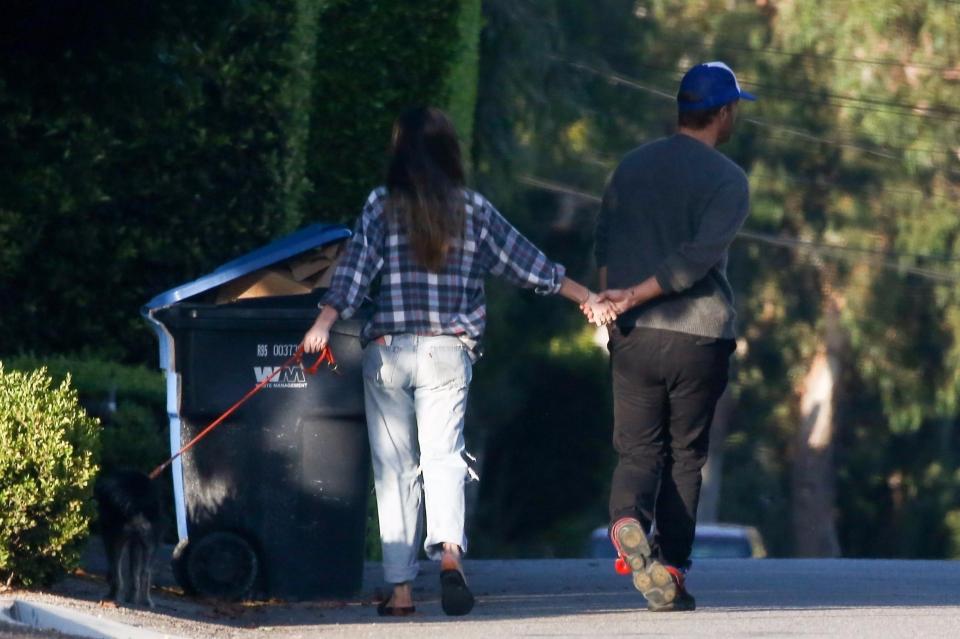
(293, 375)
(290, 375)
(263, 372)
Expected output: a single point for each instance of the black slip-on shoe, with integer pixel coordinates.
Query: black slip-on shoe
(455, 598)
(386, 610)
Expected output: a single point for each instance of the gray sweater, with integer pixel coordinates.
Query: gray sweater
(671, 210)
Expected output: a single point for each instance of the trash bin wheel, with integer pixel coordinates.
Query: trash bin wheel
(222, 565)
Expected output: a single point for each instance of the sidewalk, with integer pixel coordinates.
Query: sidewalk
(570, 598)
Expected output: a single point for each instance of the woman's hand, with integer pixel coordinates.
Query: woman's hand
(318, 336)
(597, 310)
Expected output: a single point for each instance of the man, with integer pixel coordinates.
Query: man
(669, 213)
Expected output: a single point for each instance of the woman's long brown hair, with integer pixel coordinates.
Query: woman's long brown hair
(425, 180)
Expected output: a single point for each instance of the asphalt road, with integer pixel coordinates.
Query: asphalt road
(585, 598)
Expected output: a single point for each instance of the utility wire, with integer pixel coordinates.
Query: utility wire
(622, 80)
(840, 187)
(885, 259)
(880, 151)
(822, 56)
(567, 190)
(557, 187)
(844, 252)
(904, 109)
(809, 137)
(608, 164)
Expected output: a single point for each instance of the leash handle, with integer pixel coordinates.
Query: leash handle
(326, 355)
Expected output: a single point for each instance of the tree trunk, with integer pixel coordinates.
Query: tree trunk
(814, 475)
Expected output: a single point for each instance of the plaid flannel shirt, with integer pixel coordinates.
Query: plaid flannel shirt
(412, 299)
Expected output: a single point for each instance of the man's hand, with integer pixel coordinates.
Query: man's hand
(618, 299)
(598, 311)
(623, 299)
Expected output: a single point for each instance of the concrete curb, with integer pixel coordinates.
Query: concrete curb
(70, 622)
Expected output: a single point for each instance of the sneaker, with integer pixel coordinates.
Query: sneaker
(682, 602)
(650, 577)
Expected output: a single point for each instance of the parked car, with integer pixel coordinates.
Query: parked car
(712, 541)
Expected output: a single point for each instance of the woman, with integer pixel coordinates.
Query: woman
(429, 242)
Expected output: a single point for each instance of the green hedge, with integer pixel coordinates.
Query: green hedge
(146, 143)
(48, 455)
(463, 79)
(373, 60)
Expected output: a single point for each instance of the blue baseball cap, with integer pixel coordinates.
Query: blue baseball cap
(709, 85)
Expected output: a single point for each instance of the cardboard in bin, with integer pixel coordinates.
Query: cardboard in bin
(297, 276)
(300, 262)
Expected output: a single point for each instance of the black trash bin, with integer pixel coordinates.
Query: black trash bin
(273, 502)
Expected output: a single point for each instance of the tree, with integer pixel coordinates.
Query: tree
(853, 176)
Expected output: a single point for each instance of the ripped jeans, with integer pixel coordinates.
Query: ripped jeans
(415, 391)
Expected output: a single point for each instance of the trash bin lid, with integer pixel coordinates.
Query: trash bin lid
(305, 239)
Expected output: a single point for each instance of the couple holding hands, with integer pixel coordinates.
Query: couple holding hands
(421, 249)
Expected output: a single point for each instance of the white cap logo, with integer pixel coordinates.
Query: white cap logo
(722, 65)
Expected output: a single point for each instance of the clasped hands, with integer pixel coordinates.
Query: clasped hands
(604, 307)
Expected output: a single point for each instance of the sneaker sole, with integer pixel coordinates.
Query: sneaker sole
(678, 605)
(650, 577)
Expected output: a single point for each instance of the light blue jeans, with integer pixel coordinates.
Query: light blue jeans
(415, 391)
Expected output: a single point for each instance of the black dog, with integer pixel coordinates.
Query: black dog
(129, 508)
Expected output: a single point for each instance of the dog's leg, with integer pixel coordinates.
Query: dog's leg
(123, 556)
(136, 569)
(114, 577)
(147, 574)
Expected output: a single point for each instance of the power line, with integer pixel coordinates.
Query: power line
(840, 186)
(608, 164)
(844, 252)
(557, 187)
(861, 250)
(904, 109)
(822, 56)
(809, 137)
(885, 259)
(881, 152)
(622, 80)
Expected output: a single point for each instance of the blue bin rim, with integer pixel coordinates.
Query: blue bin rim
(311, 237)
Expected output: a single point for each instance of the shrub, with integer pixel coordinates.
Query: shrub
(48, 460)
(129, 400)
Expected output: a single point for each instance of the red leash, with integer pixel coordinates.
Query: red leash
(326, 355)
